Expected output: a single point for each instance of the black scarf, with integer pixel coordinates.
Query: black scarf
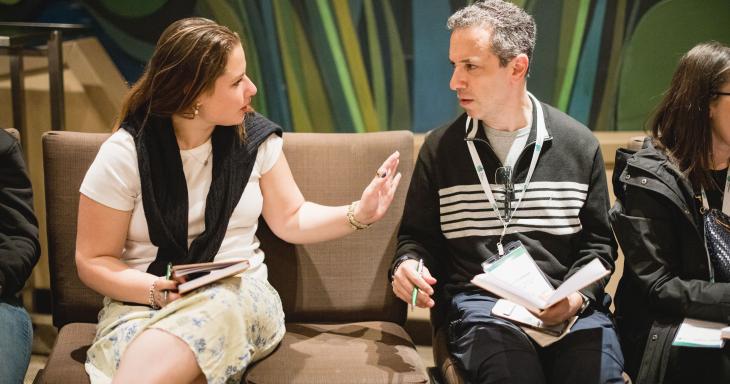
(165, 192)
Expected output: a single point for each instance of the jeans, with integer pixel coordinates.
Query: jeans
(493, 350)
(16, 336)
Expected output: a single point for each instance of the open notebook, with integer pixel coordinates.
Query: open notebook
(201, 274)
(517, 278)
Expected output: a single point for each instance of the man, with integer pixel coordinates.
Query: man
(19, 252)
(453, 221)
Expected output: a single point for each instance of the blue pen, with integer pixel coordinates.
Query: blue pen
(415, 289)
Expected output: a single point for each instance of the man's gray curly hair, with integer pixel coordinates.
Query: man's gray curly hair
(513, 29)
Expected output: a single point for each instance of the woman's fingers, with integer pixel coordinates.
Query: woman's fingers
(172, 296)
(166, 285)
(166, 291)
(389, 165)
(378, 194)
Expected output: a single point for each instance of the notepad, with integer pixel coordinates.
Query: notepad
(201, 274)
(699, 334)
(517, 278)
(725, 333)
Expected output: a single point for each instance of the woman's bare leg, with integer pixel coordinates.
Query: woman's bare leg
(156, 356)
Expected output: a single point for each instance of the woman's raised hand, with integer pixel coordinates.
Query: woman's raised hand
(378, 195)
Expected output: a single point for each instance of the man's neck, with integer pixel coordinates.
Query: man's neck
(512, 115)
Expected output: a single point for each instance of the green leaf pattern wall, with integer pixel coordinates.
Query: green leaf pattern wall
(374, 65)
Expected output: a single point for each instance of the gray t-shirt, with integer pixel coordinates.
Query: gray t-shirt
(508, 145)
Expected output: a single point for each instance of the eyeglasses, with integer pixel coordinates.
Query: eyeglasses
(503, 176)
(721, 93)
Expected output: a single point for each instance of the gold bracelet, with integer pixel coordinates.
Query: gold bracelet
(356, 225)
(152, 301)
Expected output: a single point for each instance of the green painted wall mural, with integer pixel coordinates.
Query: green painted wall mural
(373, 65)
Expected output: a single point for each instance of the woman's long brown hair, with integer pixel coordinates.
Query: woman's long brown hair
(681, 123)
(190, 55)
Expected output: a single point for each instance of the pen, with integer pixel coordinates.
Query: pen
(168, 274)
(415, 289)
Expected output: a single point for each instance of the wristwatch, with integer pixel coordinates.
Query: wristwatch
(586, 303)
(399, 262)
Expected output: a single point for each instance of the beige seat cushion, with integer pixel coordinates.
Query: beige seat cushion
(69, 354)
(365, 352)
(368, 352)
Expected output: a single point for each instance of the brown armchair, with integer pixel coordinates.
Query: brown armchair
(13, 132)
(343, 322)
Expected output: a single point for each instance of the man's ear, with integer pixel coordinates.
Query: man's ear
(520, 65)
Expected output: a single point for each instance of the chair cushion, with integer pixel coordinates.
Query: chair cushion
(443, 360)
(342, 280)
(66, 158)
(66, 362)
(365, 352)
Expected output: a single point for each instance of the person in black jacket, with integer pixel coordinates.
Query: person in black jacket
(559, 211)
(19, 252)
(657, 220)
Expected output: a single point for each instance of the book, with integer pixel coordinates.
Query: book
(200, 274)
(700, 334)
(519, 315)
(517, 278)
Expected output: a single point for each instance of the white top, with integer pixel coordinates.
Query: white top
(113, 180)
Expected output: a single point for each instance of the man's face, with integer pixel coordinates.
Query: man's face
(481, 85)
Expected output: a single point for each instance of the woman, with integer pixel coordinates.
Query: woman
(182, 181)
(658, 222)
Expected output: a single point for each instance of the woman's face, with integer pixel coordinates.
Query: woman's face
(720, 115)
(231, 96)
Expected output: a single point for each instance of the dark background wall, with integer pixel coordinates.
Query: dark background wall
(369, 65)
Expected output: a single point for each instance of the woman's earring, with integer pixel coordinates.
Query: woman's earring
(192, 115)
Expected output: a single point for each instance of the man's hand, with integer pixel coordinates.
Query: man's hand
(406, 277)
(562, 310)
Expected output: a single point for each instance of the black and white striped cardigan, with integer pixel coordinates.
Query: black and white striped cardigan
(562, 220)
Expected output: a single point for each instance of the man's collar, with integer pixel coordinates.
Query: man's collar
(480, 134)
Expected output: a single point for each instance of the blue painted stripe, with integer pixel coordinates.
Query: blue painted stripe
(582, 95)
(434, 104)
(272, 69)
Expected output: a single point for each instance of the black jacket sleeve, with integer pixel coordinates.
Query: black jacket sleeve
(420, 234)
(651, 235)
(19, 246)
(596, 238)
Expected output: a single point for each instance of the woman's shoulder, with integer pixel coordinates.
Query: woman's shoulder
(269, 152)
(120, 146)
(113, 178)
(121, 137)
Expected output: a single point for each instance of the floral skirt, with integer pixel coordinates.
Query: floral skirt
(228, 325)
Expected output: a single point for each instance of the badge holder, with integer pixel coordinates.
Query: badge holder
(508, 249)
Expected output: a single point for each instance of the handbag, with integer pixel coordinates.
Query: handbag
(717, 240)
